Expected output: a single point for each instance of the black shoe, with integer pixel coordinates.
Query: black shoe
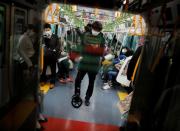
(43, 121)
(76, 95)
(87, 102)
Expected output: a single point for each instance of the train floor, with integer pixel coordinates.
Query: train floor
(102, 113)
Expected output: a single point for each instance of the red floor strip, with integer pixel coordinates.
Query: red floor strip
(55, 124)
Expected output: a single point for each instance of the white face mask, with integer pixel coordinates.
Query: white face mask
(124, 50)
(95, 33)
(109, 36)
(47, 34)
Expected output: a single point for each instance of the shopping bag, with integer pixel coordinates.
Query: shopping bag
(122, 76)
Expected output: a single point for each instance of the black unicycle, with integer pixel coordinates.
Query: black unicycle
(76, 101)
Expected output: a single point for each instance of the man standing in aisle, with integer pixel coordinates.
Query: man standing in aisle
(91, 53)
(51, 53)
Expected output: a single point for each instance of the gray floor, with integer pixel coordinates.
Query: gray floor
(103, 108)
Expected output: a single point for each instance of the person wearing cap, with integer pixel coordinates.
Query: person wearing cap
(92, 50)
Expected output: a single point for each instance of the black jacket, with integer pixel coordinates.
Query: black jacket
(132, 63)
(52, 46)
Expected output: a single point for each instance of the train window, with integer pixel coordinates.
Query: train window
(19, 20)
(19, 23)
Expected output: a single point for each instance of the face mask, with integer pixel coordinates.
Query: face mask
(47, 34)
(109, 36)
(95, 33)
(124, 50)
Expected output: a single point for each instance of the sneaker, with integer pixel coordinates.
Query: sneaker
(51, 86)
(106, 87)
(69, 79)
(43, 120)
(110, 82)
(105, 83)
(63, 81)
(39, 127)
(87, 102)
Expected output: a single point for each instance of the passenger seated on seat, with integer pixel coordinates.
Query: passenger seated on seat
(127, 51)
(108, 63)
(63, 69)
(111, 72)
(111, 75)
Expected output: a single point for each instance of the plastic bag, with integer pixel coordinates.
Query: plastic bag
(122, 76)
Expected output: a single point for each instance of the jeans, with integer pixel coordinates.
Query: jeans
(111, 75)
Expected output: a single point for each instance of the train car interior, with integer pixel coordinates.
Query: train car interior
(89, 65)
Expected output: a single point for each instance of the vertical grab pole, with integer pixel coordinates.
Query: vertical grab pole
(41, 58)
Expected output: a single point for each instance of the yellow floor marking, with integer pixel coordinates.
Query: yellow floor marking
(122, 95)
(45, 87)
